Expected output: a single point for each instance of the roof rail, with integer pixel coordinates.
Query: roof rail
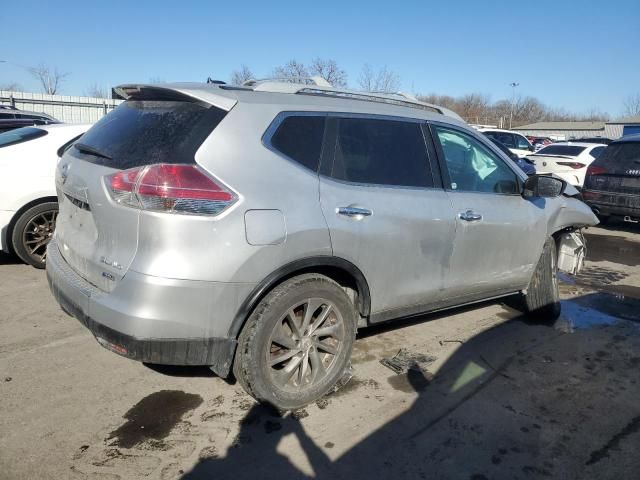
(318, 81)
(319, 86)
(388, 98)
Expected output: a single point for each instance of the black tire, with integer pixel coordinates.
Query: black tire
(32, 233)
(542, 300)
(256, 365)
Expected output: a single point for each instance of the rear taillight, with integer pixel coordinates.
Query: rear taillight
(170, 188)
(595, 170)
(575, 165)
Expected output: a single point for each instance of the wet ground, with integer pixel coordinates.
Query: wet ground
(476, 393)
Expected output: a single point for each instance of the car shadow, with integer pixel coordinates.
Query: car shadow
(519, 400)
(181, 370)
(9, 259)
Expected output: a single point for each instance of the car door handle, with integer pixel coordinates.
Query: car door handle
(353, 211)
(470, 216)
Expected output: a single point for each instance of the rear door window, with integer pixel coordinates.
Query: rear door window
(20, 135)
(522, 143)
(381, 152)
(143, 132)
(299, 137)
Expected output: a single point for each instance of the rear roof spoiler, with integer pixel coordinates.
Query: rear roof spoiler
(176, 92)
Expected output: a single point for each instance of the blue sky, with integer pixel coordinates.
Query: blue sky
(573, 55)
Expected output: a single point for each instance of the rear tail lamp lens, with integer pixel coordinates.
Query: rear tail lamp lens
(595, 170)
(575, 165)
(170, 188)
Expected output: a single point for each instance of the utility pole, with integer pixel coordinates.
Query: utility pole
(513, 86)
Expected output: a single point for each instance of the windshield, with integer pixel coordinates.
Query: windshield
(20, 135)
(569, 150)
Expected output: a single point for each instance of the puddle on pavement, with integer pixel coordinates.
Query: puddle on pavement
(611, 248)
(595, 309)
(154, 417)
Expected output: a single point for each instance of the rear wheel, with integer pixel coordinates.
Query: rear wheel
(542, 300)
(297, 343)
(32, 233)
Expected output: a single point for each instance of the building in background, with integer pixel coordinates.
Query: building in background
(568, 130)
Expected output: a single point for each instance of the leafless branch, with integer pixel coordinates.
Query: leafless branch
(329, 70)
(382, 80)
(238, 77)
(632, 105)
(97, 91)
(50, 78)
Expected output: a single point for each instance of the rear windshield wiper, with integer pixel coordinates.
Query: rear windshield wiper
(91, 150)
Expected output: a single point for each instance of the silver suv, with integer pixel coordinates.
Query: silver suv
(254, 229)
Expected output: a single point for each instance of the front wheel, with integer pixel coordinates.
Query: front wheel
(297, 343)
(542, 300)
(32, 233)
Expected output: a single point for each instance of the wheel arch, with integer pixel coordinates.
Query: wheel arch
(8, 234)
(338, 269)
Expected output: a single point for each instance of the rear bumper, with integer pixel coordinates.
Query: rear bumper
(163, 321)
(608, 203)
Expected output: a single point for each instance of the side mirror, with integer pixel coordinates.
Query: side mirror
(543, 186)
(532, 148)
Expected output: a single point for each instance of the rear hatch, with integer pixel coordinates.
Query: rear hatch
(98, 236)
(617, 170)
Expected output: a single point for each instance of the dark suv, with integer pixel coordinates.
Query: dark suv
(612, 183)
(11, 117)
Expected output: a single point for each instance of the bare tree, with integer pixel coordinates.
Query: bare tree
(238, 77)
(50, 78)
(632, 105)
(383, 80)
(97, 91)
(329, 70)
(11, 87)
(292, 70)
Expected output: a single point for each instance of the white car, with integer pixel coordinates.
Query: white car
(514, 141)
(28, 202)
(568, 160)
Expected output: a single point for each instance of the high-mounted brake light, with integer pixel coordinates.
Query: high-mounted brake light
(575, 165)
(595, 170)
(170, 188)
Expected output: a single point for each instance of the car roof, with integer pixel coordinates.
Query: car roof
(577, 144)
(628, 139)
(489, 129)
(296, 96)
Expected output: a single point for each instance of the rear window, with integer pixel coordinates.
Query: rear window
(300, 138)
(20, 135)
(143, 132)
(569, 150)
(623, 154)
